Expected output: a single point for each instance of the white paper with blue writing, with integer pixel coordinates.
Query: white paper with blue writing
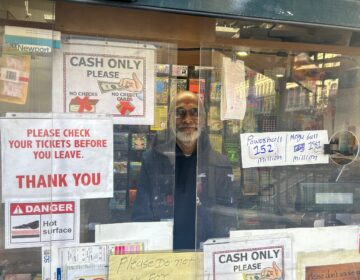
(283, 148)
(31, 40)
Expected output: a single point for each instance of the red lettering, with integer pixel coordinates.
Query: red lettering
(41, 181)
(20, 144)
(20, 179)
(67, 154)
(62, 180)
(52, 132)
(90, 143)
(76, 178)
(76, 132)
(87, 179)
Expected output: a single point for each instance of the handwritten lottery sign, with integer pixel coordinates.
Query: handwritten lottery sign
(283, 148)
(58, 158)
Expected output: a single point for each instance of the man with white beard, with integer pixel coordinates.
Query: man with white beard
(188, 200)
(188, 122)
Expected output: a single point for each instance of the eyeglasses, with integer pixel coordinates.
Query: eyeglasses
(181, 112)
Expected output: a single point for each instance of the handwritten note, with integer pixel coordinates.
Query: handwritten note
(328, 265)
(346, 271)
(156, 266)
(283, 148)
(233, 97)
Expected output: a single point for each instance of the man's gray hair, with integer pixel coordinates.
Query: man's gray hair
(172, 111)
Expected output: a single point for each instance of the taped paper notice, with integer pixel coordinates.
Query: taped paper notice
(166, 266)
(329, 265)
(60, 157)
(283, 148)
(249, 260)
(93, 76)
(159, 235)
(347, 271)
(233, 97)
(84, 261)
(14, 78)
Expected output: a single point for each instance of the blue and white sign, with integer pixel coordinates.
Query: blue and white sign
(32, 40)
(283, 148)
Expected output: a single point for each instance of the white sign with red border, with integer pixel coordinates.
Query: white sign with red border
(34, 224)
(56, 157)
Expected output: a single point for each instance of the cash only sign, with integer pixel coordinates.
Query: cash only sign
(56, 157)
(268, 259)
(94, 76)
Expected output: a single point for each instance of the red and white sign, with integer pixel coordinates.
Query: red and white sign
(19, 209)
(56, 158)
(33, 224)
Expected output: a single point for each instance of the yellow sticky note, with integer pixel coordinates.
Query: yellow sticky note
(156, 266)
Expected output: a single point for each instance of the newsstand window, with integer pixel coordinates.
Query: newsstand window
(217, 145)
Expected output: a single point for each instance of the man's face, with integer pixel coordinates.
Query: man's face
(186, 115)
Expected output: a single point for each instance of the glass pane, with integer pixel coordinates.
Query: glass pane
(255, 101)
(25, 87)
(57, 138)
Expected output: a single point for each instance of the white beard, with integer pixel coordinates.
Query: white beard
(187, 137)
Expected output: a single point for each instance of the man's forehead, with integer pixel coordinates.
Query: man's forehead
(187, 100)
(190, 103)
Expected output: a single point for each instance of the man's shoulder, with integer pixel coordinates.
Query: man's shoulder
(218, 158)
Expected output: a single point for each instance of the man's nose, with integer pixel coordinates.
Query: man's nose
(187, 118)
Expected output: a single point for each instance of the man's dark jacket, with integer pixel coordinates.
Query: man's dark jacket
(155, 195)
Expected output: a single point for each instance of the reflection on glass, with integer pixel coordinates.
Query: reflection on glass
(25, 86)
(289, 91)
(343, 147)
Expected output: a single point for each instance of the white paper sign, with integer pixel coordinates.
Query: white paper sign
(283, 148)
(322, 238)
(86, 260)
(233, 97)
(158, 235)
(46, 263)
(33, 224)
(44, 158)
(249, 260)
(307, 239)
(105, 77)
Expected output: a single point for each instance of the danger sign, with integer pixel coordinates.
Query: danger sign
(56, 157)
(42, 208)
(31, 224)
